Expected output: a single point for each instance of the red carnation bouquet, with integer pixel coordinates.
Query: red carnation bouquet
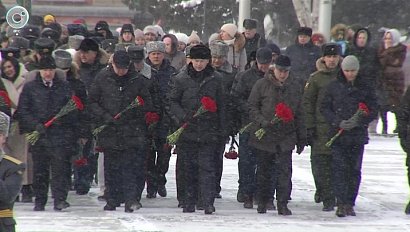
(138, 101)
(362, 111)
(207, 105)
(151, 119)
(73, 104)
(282, 113)
(5, 99)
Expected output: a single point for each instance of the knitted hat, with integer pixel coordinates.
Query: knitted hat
(62, 58)
(219, 48)
(102, 25)
(182, 37)
(318, 37)
(264, 55)
(350, 63)
(200, 52)
(155, 46)
(138, 33)
(49, 18)
(121, 59)
(150, 29)
(230, 28)
(282, 62)
(193, 37)
(127, 28)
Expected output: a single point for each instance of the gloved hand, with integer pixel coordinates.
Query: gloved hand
(300, 146)
(40, 128)
(310, 135)
(348, 124)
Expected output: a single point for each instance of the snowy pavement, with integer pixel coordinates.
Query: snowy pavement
(383, 194)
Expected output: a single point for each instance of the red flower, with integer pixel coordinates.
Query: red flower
(283, 112)
(363, 107)
(77, 101)
(151, 117)
(140, 101)
(5, 97)
(209, 104)
(81, 162)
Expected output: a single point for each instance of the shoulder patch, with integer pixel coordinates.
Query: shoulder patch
(12, 159)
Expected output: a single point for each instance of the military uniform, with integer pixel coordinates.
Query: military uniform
(11, 177)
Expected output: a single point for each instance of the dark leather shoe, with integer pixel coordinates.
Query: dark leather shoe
(131, 206)
(58, 206)
(341, 211)
(328, 206)
(261, 208)
(109, 207)
(350, 210)
(284, 210)
(248, 203)
(240, 197)
(209, 209)
(151, 195)
(39, 208)
(189, 209)
(162, 191)
(270, 205)
(317, 197)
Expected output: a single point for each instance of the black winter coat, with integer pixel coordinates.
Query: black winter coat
(303, 58)
(38, 104)
(341, 102)
(252, 45)
(110, 95)
(188, 87)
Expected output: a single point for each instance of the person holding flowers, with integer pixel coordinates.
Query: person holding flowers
(275, 108)
(118, 101)
(197, 105)
(348, 106)
(48, 114)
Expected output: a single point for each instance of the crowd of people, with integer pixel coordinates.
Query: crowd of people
(89, 104)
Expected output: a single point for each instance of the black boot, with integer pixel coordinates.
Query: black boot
(209, 209)
(283, 209)
(317, 197)
(60, 205)
(407, 210)
(270, 205)
(26, 194)
(248, 203)
(341, 211)
(240, 197)
(261, 208)
(350, 210)
(328, 206)
(189, 209)
(131, 206)
(162, 191)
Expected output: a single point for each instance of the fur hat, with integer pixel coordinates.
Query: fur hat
(283, 62)
(329, 49)
(47, 62)
(275, 49)
(88, 45)
(109, 45)
(155, 46)
(200, 52)
(62, 58)
(264, 55)
(230, 28)
(193, 37)
(305, 31)
(44, 45)
(30, 31)
(74, 41)
(350, 63)
(19, 42)
(121, 59)
(219, 48)
(51, 34)
(250, 23)
(102, 25)
(127, 28)
(136, 53)
(10, 52)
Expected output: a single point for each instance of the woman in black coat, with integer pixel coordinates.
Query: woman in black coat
(340, 107)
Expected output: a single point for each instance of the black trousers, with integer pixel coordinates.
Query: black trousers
(199, 173)
(54, 160)
(321, 165)
(282, 163)
(347, 171)
(124, 174)
(219, 162)
(157, 164)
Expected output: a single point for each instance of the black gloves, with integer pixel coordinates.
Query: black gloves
(310, 136)
(40, 128)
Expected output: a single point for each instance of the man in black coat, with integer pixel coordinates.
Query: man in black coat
(253, 40)
(11, 171)
(339, 107)
(197, 142)
(124, 138)
(41, 99)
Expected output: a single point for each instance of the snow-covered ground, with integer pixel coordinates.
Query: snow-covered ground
(383, 195)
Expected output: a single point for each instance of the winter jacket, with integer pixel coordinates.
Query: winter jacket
(38, 104)
(110, 95)
(341, 102)
(369, 71)
(237, 52)
(266, 94)
(177, 58)
(252, 45)
(88, 72)
(242, 89)
(188, 88)
(392, 78)
(303, 58)
(313, 95)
